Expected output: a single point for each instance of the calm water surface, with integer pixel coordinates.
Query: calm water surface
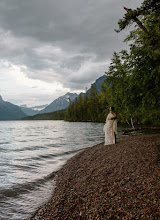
(30, 153)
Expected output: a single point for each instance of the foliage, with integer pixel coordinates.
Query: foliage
(135, 77)
(87, 107)
(148, 7)
(58, 115)
(133, 80)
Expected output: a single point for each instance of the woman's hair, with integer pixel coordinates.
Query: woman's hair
(112, 108)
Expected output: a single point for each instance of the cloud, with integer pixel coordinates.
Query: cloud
(63, 42)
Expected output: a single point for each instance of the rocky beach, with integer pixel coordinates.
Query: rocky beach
(118, 181)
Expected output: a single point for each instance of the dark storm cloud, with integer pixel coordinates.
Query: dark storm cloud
(62, 40)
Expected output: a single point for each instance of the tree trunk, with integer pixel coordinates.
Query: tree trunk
(136, 20)
(140, 24)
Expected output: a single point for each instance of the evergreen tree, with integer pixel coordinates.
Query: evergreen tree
(140, 69)
(133, 80)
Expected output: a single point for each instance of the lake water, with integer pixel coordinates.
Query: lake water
(30, 153)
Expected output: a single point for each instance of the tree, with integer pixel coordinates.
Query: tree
(148, 7)
(93, 103)
(133, 80)
(140, 68)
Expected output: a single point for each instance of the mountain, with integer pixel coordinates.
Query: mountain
(39, 107)
(9, 111)
(63, 101)
(98, 83)
(60, 103)
(25, 106)
(56, 110)
(28, 111)
(32, 110)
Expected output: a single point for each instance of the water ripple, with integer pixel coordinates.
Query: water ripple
(31, 152)
(18, 189)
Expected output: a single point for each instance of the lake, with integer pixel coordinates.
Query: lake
(30, 153)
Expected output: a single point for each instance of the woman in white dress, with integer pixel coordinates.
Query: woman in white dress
(110, 127)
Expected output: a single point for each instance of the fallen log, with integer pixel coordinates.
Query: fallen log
(140, 128)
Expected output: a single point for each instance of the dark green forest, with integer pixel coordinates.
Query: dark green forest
(132, 83)
(58, 115)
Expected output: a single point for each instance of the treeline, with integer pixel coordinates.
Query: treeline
(132, 82)
(88, 107)
(58, 115)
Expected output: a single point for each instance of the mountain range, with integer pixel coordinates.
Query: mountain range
(9, 111)
(60, 103)
(63, 101)
(98, 83)
(29, 111)
(39, 107)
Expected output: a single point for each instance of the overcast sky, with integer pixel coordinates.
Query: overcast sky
(51, 47)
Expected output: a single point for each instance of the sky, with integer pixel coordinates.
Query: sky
(51, 47)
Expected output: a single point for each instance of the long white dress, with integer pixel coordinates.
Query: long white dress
(110, 129)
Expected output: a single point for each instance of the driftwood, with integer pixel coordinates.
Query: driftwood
(141, 128)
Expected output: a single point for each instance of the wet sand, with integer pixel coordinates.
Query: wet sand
(120, 181)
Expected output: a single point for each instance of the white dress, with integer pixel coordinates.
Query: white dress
(110, 129)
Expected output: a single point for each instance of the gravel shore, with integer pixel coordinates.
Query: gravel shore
(118, 181)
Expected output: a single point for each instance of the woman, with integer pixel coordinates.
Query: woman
(110, 128)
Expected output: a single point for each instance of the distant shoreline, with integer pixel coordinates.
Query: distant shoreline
(114, 181)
